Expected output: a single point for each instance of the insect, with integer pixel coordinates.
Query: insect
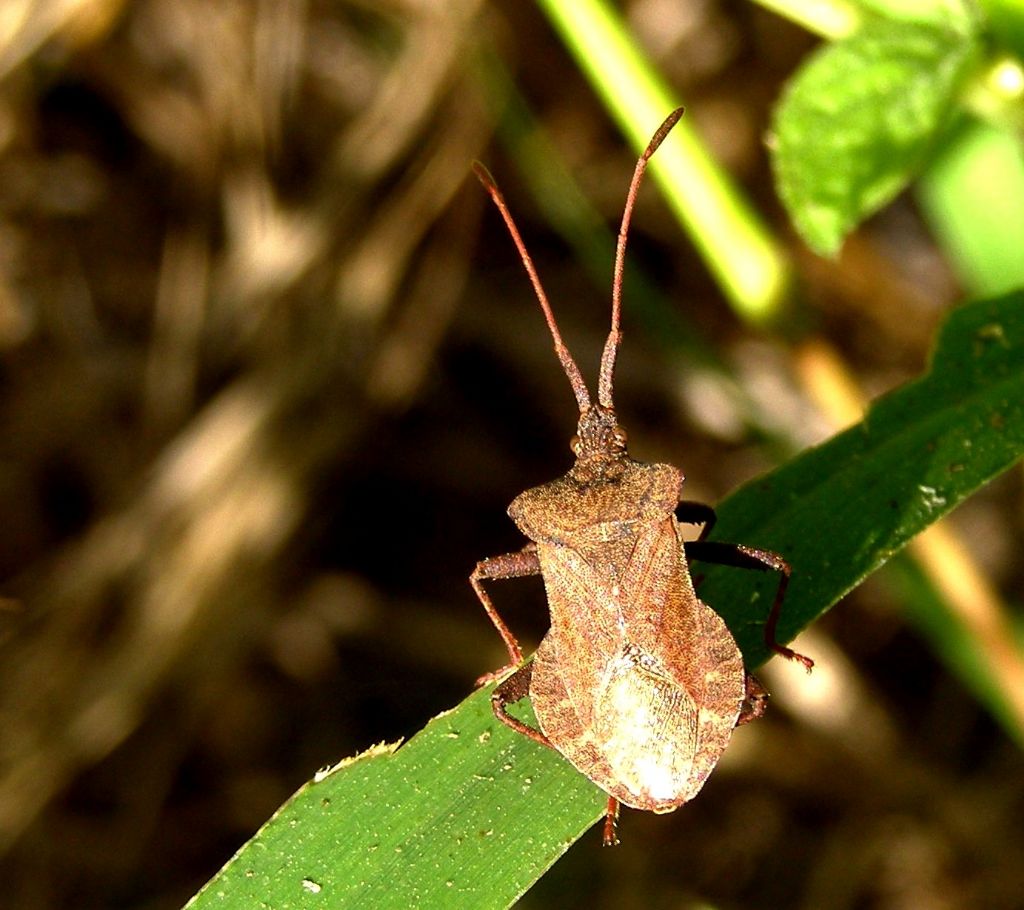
(638, 683)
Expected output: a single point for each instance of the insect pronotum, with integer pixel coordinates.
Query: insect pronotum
(638, 683)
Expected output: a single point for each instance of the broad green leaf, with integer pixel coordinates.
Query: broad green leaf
(469, 814)
(836, 19)
(1006, 23)
(858, 120)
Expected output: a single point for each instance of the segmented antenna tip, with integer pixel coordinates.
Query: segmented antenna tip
(484, 176)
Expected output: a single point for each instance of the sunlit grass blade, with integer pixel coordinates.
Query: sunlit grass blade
(953, 642)
(739, 249)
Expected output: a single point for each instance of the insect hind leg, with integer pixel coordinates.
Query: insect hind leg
(696, 513)
(610, 837)
(755, 701)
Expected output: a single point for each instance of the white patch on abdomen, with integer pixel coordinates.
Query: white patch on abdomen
(646, 726)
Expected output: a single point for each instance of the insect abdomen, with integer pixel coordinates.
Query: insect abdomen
(646, 725)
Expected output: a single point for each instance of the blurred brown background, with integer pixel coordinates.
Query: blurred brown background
(271, 374)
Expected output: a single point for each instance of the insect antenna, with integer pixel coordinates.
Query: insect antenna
(572, 371)
(611, 347)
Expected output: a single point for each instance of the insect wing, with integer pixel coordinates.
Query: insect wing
(647, 714)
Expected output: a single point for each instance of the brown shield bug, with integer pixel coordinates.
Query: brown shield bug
(638, 683)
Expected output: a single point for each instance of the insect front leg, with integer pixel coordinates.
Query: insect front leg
(742, 557)
(511, 690)
(508, 565)
(516, 687)
(696, 513)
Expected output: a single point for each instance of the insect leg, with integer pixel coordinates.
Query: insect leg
(742, 557)
(755, 702)
(511, 690)
(696, 513)
(509, 565)
(611, 823)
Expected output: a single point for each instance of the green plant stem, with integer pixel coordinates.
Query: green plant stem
(971, 196)
(739, 249)
(832, 19)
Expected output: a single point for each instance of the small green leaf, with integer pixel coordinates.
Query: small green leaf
(469, 813)
(858, 120)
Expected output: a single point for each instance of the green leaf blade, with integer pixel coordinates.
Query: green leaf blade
(438, 823)
(858, 121)
(919, 452)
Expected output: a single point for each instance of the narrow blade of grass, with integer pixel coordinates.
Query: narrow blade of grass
(739, 249)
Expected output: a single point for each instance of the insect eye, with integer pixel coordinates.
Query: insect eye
(574, 444)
